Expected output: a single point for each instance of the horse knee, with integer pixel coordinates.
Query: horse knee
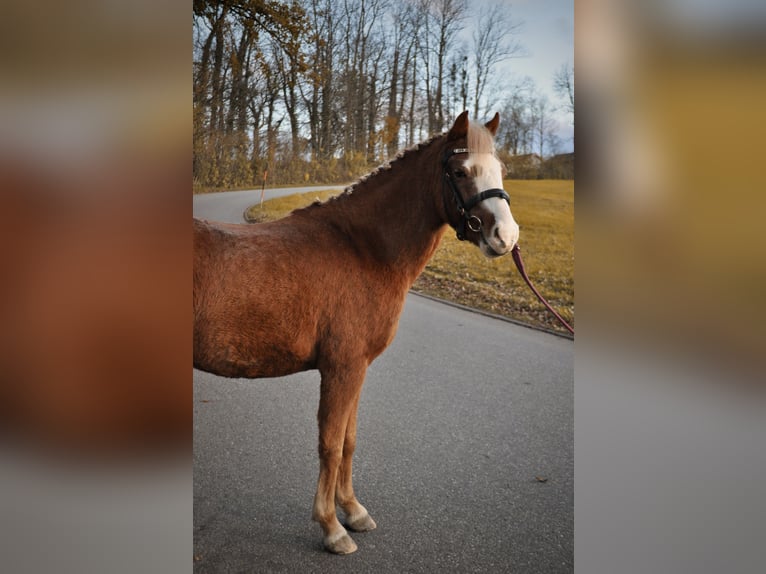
(330, 455)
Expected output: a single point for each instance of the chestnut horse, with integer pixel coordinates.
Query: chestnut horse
(323, 288)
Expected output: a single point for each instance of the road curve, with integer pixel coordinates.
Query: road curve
(464, 455)
(231, 205)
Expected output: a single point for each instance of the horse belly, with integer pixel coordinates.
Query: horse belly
(237, 336)
(235, 354)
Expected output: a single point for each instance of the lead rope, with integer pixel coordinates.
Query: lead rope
(516, 253)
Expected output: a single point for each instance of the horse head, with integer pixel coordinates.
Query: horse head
(477, 206)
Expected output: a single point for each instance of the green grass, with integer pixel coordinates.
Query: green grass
(458, 272)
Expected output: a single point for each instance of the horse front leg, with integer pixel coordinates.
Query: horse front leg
(338, 396)
(357, 517)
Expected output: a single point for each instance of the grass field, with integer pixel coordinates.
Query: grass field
(458, 272)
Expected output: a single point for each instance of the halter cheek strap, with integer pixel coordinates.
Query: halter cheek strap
(464, 207)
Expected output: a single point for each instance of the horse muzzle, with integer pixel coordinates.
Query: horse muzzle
(500, 239)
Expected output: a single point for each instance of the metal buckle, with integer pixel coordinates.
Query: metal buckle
(474, 223)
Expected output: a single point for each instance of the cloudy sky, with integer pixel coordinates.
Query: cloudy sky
(548, 36)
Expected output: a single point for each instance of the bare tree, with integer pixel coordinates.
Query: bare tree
(318, 88)
(442, 20)
(360, 27)
(542, 122)
(402, 38)
(563, 85)
(515, 135)
(494, 41)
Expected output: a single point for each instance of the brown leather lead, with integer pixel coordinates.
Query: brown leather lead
(516, 253)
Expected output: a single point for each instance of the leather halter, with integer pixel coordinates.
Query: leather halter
(464, 207)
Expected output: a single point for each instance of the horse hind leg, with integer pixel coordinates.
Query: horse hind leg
(357, 517)
(338, 395)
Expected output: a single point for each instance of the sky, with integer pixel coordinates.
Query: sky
(548, 36)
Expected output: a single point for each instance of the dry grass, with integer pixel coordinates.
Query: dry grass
(459, 272)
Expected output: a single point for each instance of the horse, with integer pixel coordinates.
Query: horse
(323, 288)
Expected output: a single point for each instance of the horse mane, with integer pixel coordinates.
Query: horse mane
(385, 167)
(390, 164)
(479, 140)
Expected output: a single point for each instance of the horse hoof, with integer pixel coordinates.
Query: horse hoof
(363, 523)
(343, 545)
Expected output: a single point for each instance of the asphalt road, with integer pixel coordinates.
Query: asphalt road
(464, 455)
(231, 205)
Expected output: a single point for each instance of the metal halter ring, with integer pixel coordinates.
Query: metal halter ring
(474, 223)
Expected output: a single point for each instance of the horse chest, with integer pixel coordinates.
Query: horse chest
(376, 322)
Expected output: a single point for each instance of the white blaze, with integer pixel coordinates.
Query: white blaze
(488, 174)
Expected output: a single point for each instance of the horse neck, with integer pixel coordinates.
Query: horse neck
(396, 215)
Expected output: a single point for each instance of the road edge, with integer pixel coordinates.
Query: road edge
(492, 315)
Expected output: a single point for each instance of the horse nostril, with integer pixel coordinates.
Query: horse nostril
(497, 236)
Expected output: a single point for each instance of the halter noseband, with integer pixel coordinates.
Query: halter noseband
(464, 207)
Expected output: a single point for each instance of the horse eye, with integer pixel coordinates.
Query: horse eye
(459, 173)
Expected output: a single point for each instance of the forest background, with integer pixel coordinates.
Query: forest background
(321, 91)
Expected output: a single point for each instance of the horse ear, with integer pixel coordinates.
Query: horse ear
(492, 124)
(460, 129)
